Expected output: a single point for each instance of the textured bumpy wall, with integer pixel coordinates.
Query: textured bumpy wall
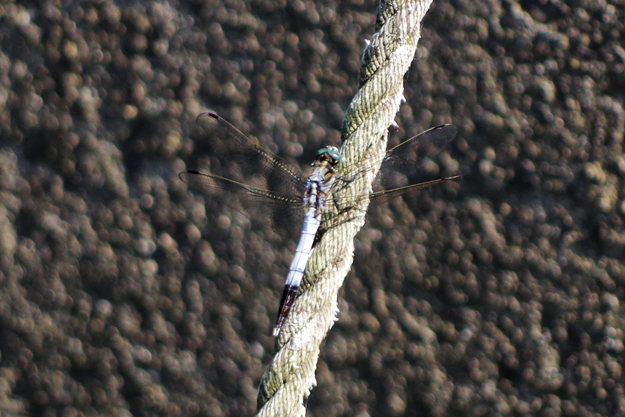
(121, 294)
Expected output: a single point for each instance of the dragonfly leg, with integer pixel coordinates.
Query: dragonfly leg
(348, 180)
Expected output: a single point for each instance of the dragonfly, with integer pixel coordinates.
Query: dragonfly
(263, 186)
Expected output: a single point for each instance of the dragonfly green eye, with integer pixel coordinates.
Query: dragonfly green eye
(333, 151)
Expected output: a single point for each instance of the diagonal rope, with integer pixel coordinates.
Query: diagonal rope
(291, 375)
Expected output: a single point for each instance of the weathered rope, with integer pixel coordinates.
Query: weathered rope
(291, 375)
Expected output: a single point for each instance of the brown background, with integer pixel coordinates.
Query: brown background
(500, 294)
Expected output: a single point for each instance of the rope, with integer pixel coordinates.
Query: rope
(291, 375)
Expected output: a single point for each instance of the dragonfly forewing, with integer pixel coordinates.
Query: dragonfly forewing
(244, 160)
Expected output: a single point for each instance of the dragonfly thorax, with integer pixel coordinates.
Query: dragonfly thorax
(320, 182)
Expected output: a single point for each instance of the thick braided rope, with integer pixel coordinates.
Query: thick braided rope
(291, 375)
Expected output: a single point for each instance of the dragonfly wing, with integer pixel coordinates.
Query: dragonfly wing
(381, 197)
(280, 213)
(403, 160)
(241, 158)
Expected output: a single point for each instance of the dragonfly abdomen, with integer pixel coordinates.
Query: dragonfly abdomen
(298, 266)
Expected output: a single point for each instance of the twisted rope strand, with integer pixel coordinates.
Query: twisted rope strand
(386, 59)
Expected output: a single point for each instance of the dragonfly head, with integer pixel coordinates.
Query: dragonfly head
(329, 154)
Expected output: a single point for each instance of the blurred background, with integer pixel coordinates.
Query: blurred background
(121, 294)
